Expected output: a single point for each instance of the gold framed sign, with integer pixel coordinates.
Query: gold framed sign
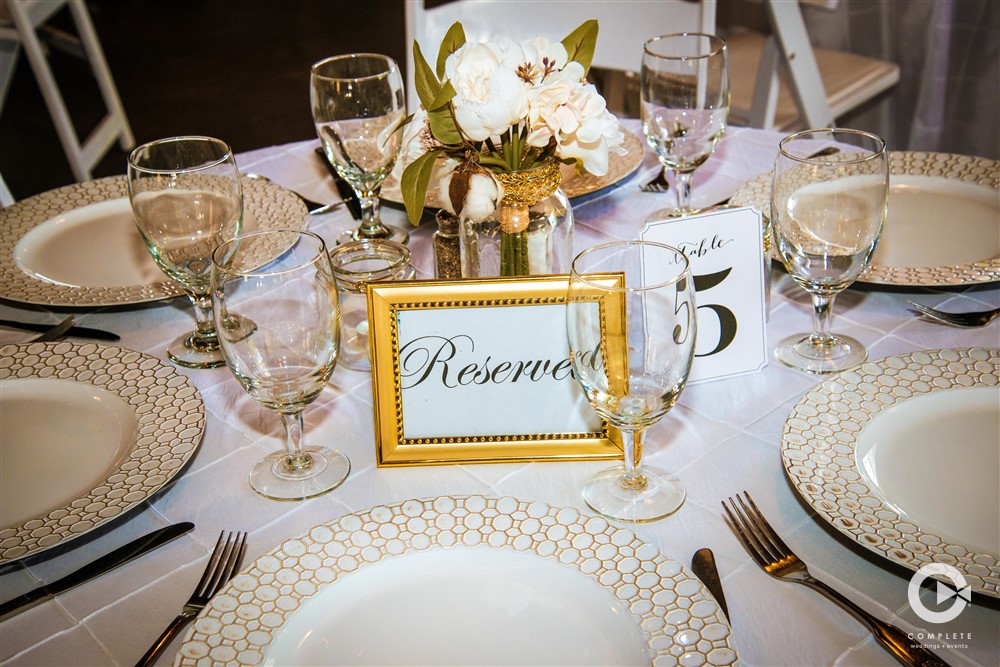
(479, 371)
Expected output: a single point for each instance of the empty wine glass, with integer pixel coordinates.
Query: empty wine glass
(186, 199)
(827, 214)
(684, 83)
(358, 107)
(631, 324)
(278, 316)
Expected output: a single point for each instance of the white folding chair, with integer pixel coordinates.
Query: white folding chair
(625, 25)
(780, 82)
(26, 16)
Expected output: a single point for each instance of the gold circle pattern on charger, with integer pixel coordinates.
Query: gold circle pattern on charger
(818, 453)
(645, 582)
(965, 168)
(268, 206)
(170, 418)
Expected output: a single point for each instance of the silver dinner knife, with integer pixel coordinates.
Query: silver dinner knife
(703, 565)
(73, 332)
(119, 556)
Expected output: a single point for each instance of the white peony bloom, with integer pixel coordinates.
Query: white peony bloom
(541, 59)
(481, 197)
(489, 97)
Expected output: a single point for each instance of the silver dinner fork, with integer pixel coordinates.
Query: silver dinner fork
(970, 319)
(775, 558)
(55, 332)
(658, 184)
(223, 564)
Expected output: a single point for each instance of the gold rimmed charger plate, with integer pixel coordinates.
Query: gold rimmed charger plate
(942, 229)
(117, 426)
(77, 245)
(451, 580)
(573, 185)
(900, 455)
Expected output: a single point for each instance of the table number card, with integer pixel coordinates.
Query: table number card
(725, 249)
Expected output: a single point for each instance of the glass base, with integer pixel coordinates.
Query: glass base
(184, 352)
(394, 234)
(838, 354)
(273, 478)
(670, 213)
(660, 496)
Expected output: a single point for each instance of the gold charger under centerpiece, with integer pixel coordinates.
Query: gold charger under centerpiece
(942, 229)
(900, 455)
(462, 580)
(90, 432)
(78, 246)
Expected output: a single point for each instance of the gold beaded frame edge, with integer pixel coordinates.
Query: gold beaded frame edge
(387, 299)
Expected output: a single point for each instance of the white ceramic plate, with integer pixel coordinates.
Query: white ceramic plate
(462, 581)
(902, 455)
(78, 245)
(943, 226)
(89, 431)
(573, 184)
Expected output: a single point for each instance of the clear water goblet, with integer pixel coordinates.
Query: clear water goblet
(358, 107)
(684, 102)
(631, 323)
(827, 214)
(186, 199)
(278, 317)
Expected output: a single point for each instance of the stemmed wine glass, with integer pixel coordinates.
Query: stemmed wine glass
(186, 199)
(278, 316)
(631, 324)
(684, 83)
(827, 213)
(358, 107)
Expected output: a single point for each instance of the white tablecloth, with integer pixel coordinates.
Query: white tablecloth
(722, 438)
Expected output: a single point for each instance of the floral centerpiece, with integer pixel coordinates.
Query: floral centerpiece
(496, 121)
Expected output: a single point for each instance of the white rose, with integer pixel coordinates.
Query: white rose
(489, 97)
(481, 197)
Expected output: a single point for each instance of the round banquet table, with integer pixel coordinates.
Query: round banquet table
(722, 438)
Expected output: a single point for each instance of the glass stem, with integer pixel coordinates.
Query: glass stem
(204, 336)
(682, 180)
(632, 446)
(297, 460)
(822, 315)
(371, 223)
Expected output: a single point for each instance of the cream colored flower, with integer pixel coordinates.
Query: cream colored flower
(489, 97)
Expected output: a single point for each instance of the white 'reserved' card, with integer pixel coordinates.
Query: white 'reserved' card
(725, 248)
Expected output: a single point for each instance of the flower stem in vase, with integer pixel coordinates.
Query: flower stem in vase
(514, 219)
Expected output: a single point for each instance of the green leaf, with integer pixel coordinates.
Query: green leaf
(444, 96)
(453, 41)
(428, 86)
(443, 126)
(580, 43)
(413, 185)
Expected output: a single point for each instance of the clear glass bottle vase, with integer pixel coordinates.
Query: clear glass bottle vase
(529, 233)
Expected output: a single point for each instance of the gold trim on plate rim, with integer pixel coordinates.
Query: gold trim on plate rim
(665, 599)
(818, 452)
(170, 421)
(273, 207)
(970, 169)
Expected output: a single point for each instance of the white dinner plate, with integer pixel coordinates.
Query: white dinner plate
(462, 581)
(573, 183)
(78, 245)
(943, 227)
(902, 456)
(89, 431)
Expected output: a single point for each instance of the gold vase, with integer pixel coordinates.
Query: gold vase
(529, 233)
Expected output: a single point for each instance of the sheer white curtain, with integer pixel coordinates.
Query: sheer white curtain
(948, 51)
